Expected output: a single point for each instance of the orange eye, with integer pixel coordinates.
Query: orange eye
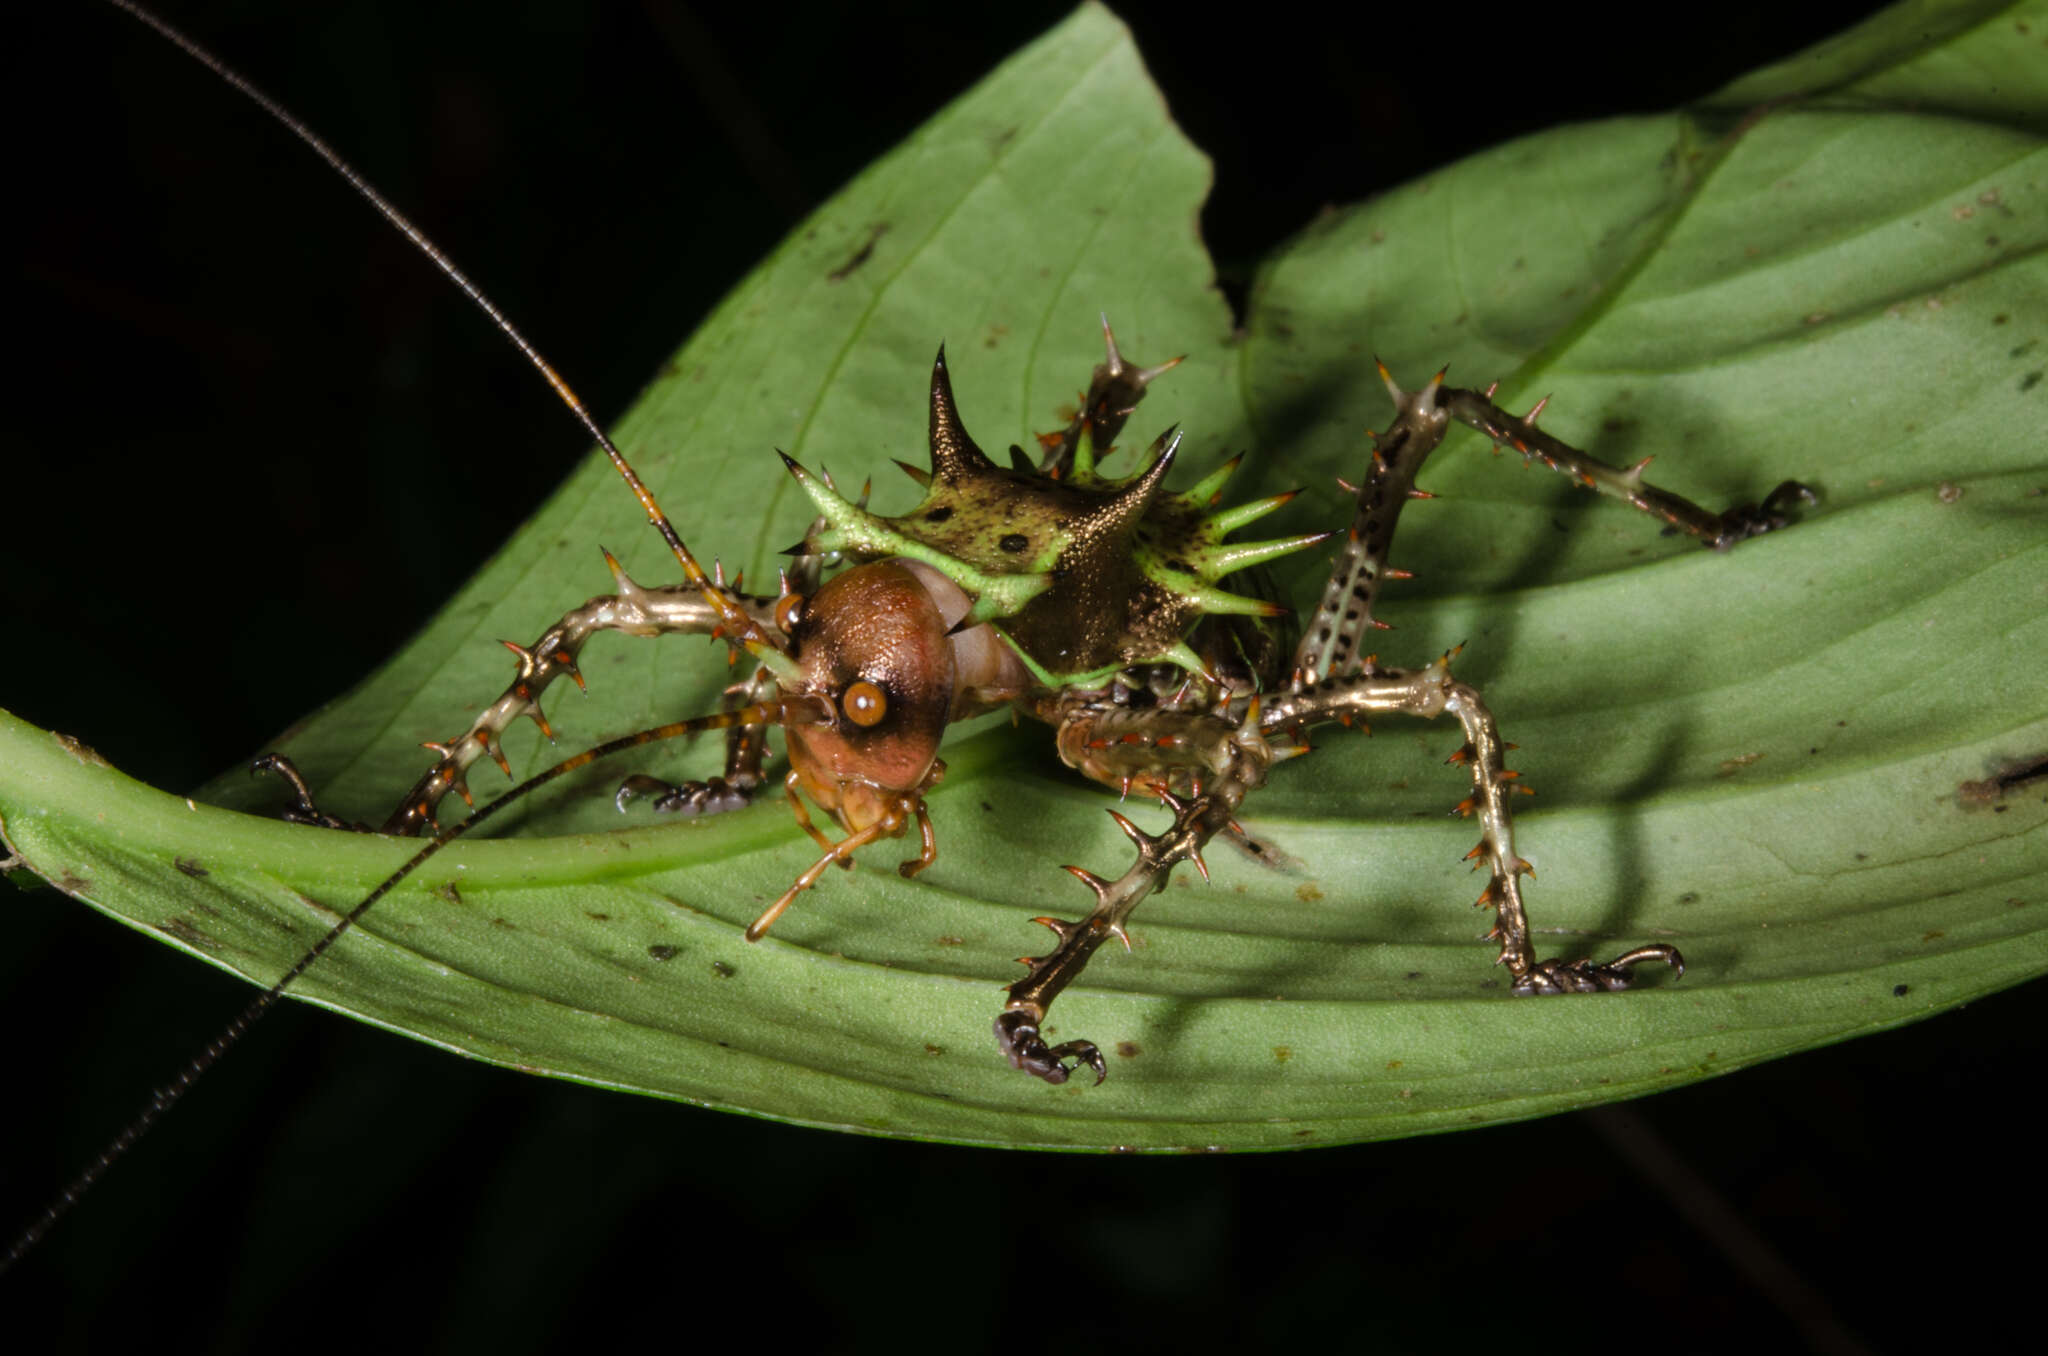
(864, 704)
(788, 612)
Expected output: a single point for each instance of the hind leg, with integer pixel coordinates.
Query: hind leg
(1431, 692)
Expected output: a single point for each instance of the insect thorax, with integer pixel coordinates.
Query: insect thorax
(1085, 574)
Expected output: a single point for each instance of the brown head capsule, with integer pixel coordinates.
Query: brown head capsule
(873, 643)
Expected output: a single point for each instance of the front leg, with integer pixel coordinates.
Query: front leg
(746, 748)
(634, 610)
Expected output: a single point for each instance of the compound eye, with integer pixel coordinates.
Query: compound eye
(789, 610)
(864, 704)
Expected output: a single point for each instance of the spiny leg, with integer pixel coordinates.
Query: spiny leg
(1330, 643)
(1716, 530)
(1330, 639)
(634, 610)
(1430, 692)
(1195, 822)
(1224, 755)
(1333, 680)
(1113, 393)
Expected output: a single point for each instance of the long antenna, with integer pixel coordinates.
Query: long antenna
(730, 612)
(780, 712)
(739, 626)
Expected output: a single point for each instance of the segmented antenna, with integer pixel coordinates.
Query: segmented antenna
(739, 625)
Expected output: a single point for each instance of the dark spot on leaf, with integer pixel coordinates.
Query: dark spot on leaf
(1129, 1049)
(1283, 1053)
(661, 951)
(723, 971)
(859, 256)
(1014, 542)
(189, 935)
(1901, 990)
(191, 867)
(448, 892)
(938, 515)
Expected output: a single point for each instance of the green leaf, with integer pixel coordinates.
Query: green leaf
(1756, 755)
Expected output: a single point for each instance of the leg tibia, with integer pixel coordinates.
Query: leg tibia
(1331, 640)
(1225, 756)
(1718, 530)
(1195, 822)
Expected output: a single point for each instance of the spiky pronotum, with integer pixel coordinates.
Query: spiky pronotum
(1084, 574)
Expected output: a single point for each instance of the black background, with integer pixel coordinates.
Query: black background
(221, 332)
